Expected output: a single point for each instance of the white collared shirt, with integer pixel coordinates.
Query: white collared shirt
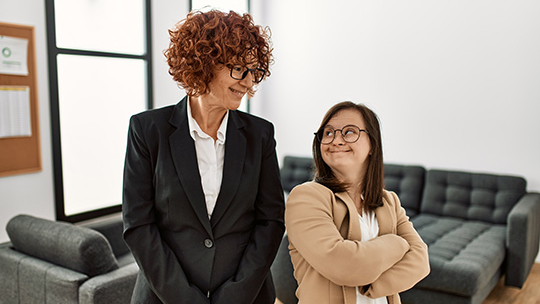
(210, 158)
(369, 227)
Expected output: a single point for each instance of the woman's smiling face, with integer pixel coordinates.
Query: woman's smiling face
(342, 157)
(226, 91)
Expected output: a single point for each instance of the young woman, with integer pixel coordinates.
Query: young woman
(350, 240)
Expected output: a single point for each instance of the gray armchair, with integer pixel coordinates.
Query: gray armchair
(57, 262)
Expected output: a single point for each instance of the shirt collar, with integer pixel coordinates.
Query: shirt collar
(195, 130)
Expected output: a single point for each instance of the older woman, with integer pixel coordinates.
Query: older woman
(350, 240)
(203, 204)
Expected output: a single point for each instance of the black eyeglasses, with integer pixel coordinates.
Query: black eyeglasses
(239, 72)
(349, 133)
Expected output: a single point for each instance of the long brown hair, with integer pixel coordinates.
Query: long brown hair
(374, 179)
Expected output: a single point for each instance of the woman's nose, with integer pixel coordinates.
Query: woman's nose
(248, 80)
(338, 139)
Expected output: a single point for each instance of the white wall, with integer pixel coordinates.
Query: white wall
(455, 83)
(31, 193)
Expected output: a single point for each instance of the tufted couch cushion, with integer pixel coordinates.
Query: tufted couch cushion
(408, 183)
(77, 248)
(471, 196)
(296, 170)
(463, 255)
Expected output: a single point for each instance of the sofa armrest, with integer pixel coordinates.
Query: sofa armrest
(114, 287)
(283, 274)
(80, 249)
(522, 238)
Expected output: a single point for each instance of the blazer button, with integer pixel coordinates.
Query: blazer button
(208, 243)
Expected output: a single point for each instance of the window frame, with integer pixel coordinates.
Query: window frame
(53, 52)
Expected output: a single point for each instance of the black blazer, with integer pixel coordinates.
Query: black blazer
(184, 257)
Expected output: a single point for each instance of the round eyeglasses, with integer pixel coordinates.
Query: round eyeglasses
(239, 72)
(349, 133)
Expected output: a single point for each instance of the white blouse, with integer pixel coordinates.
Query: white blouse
(210, 158)
(370, 229)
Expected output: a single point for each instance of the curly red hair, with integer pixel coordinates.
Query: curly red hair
(205, 40)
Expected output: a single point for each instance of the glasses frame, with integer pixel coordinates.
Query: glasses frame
(318, 134)
(245, 73)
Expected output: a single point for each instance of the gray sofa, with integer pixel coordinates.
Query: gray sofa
(478, 227)
(57, 262)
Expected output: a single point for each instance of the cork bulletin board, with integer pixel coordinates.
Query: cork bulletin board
(20, 150)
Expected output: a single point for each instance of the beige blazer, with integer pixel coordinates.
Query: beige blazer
(330, 260)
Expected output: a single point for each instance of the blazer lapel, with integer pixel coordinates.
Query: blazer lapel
(185, 161)
(235, 151)
(354, 223)
(384, 218)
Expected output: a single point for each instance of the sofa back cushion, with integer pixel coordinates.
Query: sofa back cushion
(296, 170)
(471, 196)
(408, 183)
(78, 248)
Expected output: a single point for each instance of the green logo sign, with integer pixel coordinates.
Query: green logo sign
(6, 52)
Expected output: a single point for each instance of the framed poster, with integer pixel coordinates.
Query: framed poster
(20, 150)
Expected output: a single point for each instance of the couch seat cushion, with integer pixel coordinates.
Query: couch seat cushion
(463, 255)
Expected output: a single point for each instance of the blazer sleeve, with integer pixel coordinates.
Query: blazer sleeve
(266, 235)
(154, 257)
(413, 267)
(313, 232)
